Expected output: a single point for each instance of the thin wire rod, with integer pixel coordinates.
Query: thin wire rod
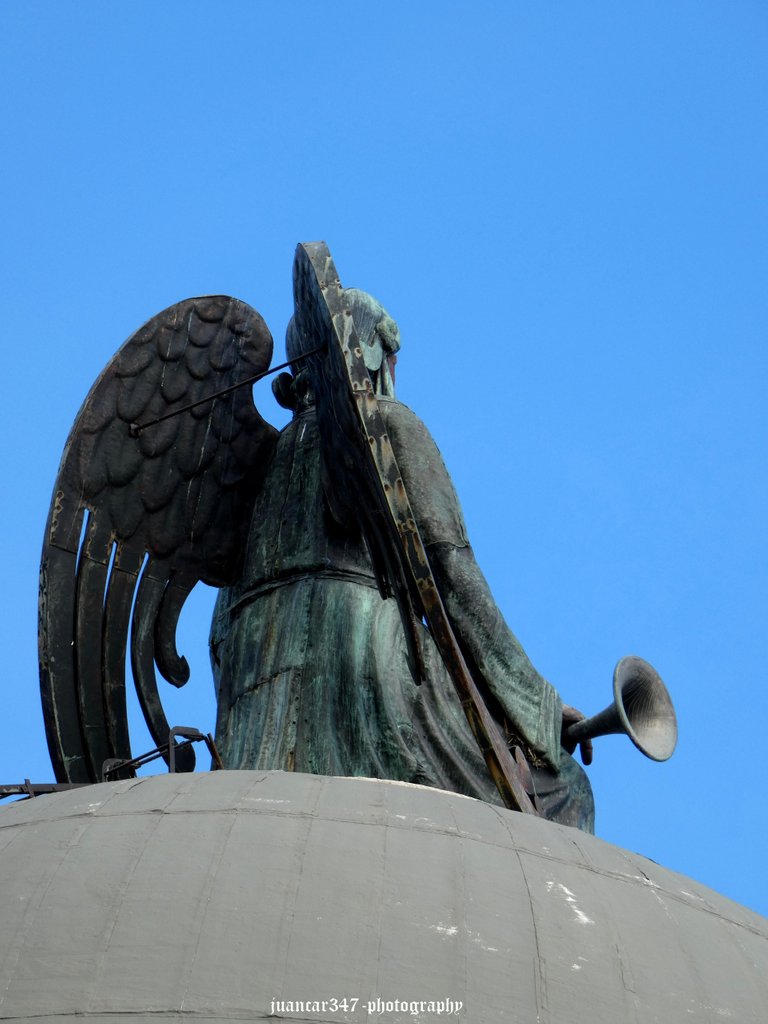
(134, 429)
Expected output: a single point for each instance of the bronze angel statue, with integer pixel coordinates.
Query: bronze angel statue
(354, 633)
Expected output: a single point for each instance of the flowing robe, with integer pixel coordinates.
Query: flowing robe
(311, 663)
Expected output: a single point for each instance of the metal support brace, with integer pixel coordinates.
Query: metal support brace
(114, 765)
(189, 736)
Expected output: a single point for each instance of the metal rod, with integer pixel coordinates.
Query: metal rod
(134, 429)
(190, 736)
(31, 789)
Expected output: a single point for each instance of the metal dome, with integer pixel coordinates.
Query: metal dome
(249, 895)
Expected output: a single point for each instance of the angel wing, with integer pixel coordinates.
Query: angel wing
(136, 521)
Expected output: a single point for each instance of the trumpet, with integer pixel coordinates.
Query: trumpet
(641, 708)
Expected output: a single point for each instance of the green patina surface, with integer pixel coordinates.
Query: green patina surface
(311, 662)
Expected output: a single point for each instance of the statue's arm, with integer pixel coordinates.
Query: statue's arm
(531, 704)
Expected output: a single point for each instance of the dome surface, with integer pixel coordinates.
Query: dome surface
(256, 895)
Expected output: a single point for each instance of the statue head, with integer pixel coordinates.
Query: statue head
(379, 339)
(378, 334)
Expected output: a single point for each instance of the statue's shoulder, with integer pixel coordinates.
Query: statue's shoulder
(427, 481)
(403, 424)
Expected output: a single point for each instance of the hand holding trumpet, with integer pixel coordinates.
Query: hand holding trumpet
(570, 717)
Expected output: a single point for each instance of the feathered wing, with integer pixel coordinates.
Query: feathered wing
(136, 521)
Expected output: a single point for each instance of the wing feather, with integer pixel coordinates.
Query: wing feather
(159, 439)
(197, 363)
(174, 382)
(92, 576)
(58, 682)
(137, 396)
(173, 666)
(131, 361)
(171, 342)
(152, 586)
(158, 483)
(117, 618)
(124, 506)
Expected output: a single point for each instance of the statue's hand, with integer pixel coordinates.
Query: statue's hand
(571, 716)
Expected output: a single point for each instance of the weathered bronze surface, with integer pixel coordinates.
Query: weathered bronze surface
(145, 516)
(318, 288)
(355, 633)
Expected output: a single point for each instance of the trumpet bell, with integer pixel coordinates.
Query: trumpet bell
(642, 708)
(645, 708)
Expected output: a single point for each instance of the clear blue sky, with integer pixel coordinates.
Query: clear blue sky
(564, 206)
